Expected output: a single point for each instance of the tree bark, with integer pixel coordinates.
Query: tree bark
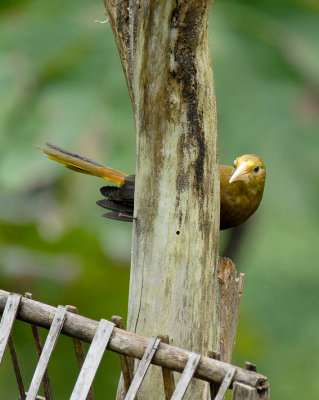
(230, 292)
(163, 47)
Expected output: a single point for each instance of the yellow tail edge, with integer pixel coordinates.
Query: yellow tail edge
(83, 164)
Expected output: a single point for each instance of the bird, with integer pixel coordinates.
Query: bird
(241, 186)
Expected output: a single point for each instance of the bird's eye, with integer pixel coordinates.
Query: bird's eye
(256, 169)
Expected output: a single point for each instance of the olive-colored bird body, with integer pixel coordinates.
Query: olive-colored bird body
(241, 186)
(241, 198)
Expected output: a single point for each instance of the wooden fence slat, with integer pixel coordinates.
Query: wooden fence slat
(132, 344)
(80, 352)
(186, 377)
(169, 383)
(168, 376)
(92, 360)
(213, 386)
(127, 364)
(7, 321)
(226, 383)
(142, 368)
(38, 348)
(250, 366)
(244, 392)
(47, 350)
(16, 368)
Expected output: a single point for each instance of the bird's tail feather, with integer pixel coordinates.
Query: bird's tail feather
(82, 164)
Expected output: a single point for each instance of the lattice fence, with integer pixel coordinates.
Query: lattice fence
(245, 382)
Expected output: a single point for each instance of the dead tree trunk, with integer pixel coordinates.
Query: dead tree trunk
(163, 47)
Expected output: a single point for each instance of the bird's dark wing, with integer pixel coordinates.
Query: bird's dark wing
(119, 200)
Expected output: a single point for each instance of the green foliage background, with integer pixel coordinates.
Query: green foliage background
(61, 81)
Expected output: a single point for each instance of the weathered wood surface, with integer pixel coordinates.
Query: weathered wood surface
(186, 377)
(38, 348)
(127, 364)
(230, 291)
(142, 368)
(9, 314)
(212, 388)
(47, 350)
(168, 376)
(16, 368)
(92, 360)
(226, 383)
(250, 366)
(80, 352)
(244, 392)
(131, 344)
(164, 51)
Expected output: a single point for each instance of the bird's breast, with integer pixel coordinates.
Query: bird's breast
(237, 204)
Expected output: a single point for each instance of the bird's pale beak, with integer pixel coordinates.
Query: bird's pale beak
(241, 173)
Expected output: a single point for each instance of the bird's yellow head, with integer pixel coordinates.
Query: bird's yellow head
(249, 168)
